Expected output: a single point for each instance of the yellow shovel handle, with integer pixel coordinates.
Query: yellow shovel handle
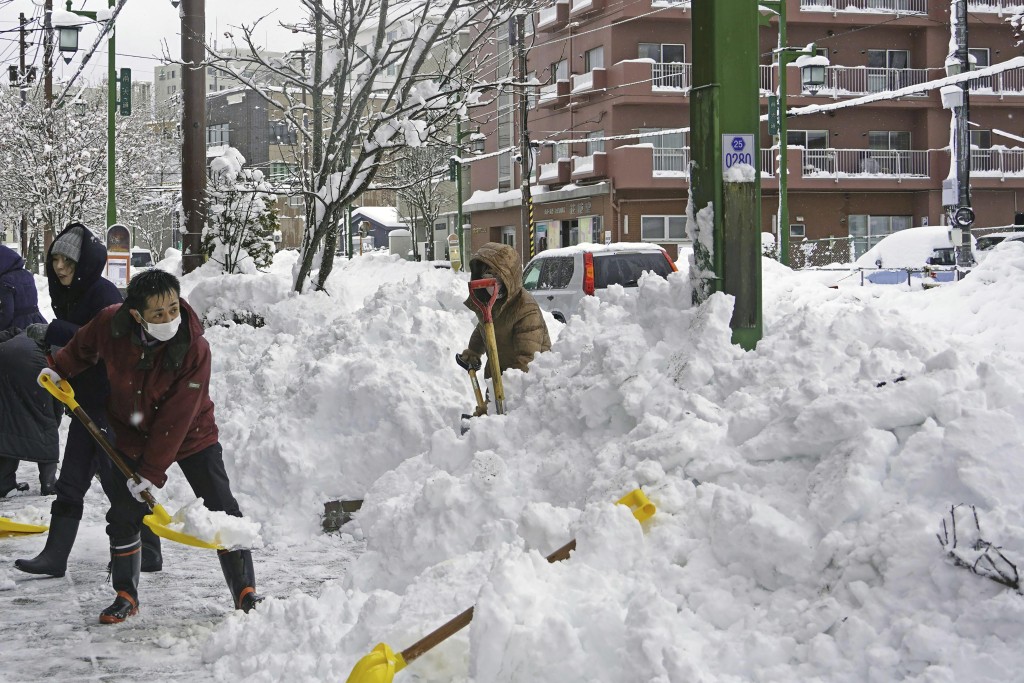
(63, 391)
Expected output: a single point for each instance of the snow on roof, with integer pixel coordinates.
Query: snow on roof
(591, 247)
(385, 215)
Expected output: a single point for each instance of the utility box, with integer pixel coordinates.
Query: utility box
(400, 242)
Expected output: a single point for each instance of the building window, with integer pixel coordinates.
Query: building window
(508, 236)
(593, 59)
(595, 145)
(885, 69)
(297, 200)
(280, 171)
(982, 156)
(560, 71)
(662, 228)
(280, 133)
(392, 68)
(980, 61)
(867, 231)
(662, 53)
(670, 152)
(171, 89)
(798, 230)
(808, 139)
(889, 139)
(218, 134)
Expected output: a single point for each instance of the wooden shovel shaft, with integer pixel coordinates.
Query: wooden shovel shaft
(442, 633)
(492, 360)
(114, 455)
(480, 403)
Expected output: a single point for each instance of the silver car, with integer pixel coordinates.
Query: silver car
(560, 278)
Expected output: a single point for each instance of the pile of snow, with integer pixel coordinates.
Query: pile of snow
(799, 486)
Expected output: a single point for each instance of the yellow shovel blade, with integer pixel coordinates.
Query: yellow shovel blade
(158, 521)
(8, 527)
(380, 666)
(637, 501)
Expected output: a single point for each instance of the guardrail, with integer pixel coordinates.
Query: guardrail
(671, 75)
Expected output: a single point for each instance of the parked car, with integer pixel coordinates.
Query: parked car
(990, 240)
(560, 278)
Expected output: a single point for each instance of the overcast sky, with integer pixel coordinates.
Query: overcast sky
(143, 27)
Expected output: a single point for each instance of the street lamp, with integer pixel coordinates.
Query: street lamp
(476, 147)
(69, 25)
(812, 78)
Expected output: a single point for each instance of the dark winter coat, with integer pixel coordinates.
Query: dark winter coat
(78, 303)
(519, 329)
(29, 416)
(19, 302)
(159, 406)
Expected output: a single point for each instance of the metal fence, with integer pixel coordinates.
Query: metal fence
(820, 253)
(860, 80)
(998, 162)
(672, 159)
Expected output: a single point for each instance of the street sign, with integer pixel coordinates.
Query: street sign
(737, 149)
(773, 115)
(125, 101)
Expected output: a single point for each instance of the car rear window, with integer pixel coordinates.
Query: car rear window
(553, 272)
(626, 269)
(141, 260)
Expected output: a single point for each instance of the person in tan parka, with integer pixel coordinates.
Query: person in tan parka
(519, 328)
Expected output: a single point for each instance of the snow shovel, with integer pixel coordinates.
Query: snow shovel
(8, 527)
(489, 340)
(158, 519)
(381, 665)
(481, 404)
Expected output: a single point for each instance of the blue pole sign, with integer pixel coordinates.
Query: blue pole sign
(737, 149)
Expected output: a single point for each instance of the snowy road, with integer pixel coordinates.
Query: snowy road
(50, 630)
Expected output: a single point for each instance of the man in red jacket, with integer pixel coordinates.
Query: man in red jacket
(158, 364)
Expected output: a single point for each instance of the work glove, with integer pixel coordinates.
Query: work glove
(136, 488)
(51, 373)
(468, 360)
(37, 332)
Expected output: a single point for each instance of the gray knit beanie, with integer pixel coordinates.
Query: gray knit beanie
(69, 244)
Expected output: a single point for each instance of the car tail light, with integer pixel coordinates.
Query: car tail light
(670, 263)
(588, 273)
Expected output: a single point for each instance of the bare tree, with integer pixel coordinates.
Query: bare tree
(53, 164)
(382, 75)
(425, 192)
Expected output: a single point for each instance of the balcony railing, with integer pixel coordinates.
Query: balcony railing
(1005, 83)
(999, 7)
(997, 162)
(865, 163)
(672, 160)
(768, 161)
(583, 82)
(880, 6)
(860, 80)
(767, 80)
(555, 15)
(673, 75)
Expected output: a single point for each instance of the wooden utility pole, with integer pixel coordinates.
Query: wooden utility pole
(193, 131)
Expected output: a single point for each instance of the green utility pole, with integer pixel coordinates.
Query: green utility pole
(725, 183)
(111, 111)
(783, 56)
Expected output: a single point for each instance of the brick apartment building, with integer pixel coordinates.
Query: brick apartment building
(623, 67)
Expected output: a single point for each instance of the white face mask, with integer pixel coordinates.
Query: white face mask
(163, 331)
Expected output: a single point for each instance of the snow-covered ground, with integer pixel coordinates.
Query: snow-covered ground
(800, 488)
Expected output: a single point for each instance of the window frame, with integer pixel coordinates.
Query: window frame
(666, 234)
(589, 61)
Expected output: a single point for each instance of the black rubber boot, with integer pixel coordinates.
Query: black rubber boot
(53, 560)
(47, 479)
(125, 563)
(152, 556)
(241, 578)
